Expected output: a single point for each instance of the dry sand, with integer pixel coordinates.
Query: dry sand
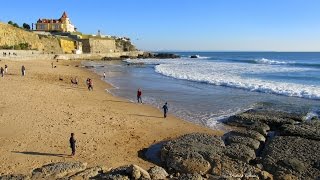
(38, 112)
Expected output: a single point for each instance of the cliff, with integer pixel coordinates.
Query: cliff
(12, 37)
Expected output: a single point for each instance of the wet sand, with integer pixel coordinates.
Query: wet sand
(38, 112)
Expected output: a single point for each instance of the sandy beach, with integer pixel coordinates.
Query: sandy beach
(38, 112)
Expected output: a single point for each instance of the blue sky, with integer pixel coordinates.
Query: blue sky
(216, 25)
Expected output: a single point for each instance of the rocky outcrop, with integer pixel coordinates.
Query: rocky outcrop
(158, 173)
(14, 177)
(58, 170)
(309, 130)
(147, 55)
(292, 155)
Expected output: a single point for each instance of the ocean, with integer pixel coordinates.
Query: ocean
(217, 85)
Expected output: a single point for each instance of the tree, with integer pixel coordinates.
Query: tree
(13, 24)
(10, 22)
(26, 26)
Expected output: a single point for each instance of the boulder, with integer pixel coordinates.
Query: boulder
(58, 170)
(188, 153)
(292, 155)
(194, 56)
(247, 133)
(120, 173)
(136, 172)
(158, 173)
(14, 177)
(252, 143)
(166, 56)
(240, 152)
(305, 130)
(88, 173)
(190, 177)
(271, 118)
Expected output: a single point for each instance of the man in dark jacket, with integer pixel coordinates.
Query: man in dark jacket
(72, 141)
(165, 109)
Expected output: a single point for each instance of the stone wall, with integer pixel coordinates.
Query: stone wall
(11, 36)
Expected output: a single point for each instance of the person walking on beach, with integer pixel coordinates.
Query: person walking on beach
(23, 70)
(139, 94)
(51, 64)
(2, 71)
(165, 109)
(90, 84)
(72, 141)
(6, 69)
(104, 75)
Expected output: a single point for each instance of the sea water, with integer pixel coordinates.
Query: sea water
(217, 85)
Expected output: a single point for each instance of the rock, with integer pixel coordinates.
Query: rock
(188, 153)
(190, 177)
(247, 133)
(137, 172)
(287, 177)
(264, 175)
(240, 152)
(120, 173)
(194, 56)
(309, 131)
(115, 177)
(166, 56)
(58, 170)
(88, 173)
(157, 173)
(14, 177)
(292, 154)
(252, 143)
(273, 119)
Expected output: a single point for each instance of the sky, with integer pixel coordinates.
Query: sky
(186, 25)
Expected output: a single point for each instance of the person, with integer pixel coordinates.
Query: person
(51, 64)
(104, 75)
(6, 69)
(90, 84)
(2, 71)
(23, 70)
(74, 81)
(139, 93)
(165, 109)
(72, 141)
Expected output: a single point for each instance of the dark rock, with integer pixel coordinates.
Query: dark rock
(305, 130)
(166, 56)
(194, 56)
(136, 172)
(240, 152)
(58, 170)
(14, 177)
(252, 143)
(158, 173)
(292, 155)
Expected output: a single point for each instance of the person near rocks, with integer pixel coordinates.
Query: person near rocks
(6, 69)
(72, 141)
(104, 75)
(139, 94)
(165, 109)
(90, 84)
(2, 71)
(23, 70)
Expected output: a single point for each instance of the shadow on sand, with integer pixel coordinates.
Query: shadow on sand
(40, 153)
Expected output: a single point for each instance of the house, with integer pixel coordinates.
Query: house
(55, 25)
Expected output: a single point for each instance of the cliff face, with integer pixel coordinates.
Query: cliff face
(12, 36)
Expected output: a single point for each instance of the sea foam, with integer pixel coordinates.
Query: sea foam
(234, 75)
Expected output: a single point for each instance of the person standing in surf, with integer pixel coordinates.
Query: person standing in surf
(139, 94)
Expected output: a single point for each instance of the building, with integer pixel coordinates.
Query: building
(55, 25)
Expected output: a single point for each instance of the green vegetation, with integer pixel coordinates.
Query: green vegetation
(13, 24)
(26, 26)
(21, 46)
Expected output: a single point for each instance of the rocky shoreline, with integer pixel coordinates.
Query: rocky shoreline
(270, 145)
